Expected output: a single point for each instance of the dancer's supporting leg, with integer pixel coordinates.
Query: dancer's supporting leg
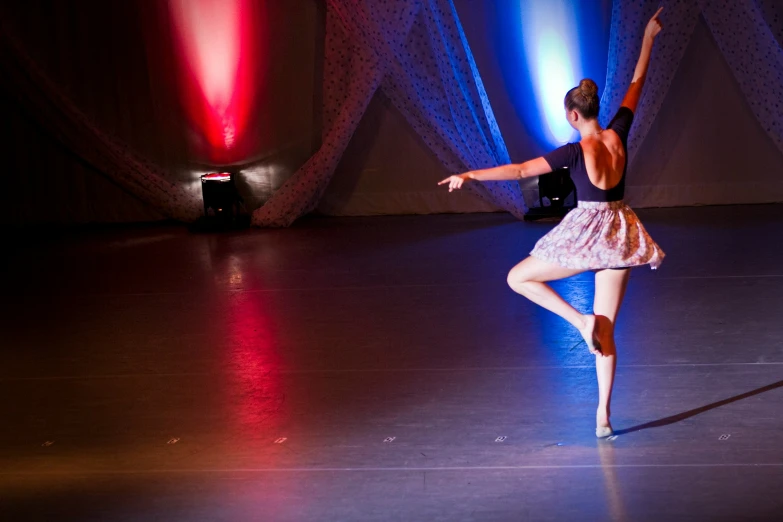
(610, 288)
(528, 278)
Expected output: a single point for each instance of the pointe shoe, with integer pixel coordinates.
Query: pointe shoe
(602, 432)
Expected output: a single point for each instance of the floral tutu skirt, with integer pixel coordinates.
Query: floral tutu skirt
(597, 235)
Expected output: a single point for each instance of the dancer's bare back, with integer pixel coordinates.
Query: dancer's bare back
(604, 158)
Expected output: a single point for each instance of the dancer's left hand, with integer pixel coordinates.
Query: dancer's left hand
(654, 26)
(455, 182)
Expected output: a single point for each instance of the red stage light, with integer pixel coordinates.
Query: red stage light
(218, 43)
(217, 176)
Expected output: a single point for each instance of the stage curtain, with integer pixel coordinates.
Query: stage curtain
(748, 33)
(93, 87)
(416, 52)
(98, 131)
(752, 49)
(60, 116)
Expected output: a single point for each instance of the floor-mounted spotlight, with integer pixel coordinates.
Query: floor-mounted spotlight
(554, 190)
(222, 203)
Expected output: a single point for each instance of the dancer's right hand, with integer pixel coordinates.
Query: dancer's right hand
(455, 182)
(653, 26)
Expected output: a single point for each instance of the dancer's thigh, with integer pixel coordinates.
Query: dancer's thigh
(534, 269)
(610, 288)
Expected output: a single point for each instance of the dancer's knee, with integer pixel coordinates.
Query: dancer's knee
(516, 279)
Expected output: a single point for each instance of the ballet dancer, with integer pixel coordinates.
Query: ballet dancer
(602, 234)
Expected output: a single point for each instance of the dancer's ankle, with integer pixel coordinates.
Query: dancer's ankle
(581, 324)
(602, 416)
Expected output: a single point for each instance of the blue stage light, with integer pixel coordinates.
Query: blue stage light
(543, 48)
(549, 35)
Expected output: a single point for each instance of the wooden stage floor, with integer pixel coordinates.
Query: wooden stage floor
(374, 369)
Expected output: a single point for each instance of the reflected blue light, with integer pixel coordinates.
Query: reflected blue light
(550, 40)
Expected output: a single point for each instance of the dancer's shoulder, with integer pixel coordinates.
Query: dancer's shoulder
(563, 157)
(622, 121)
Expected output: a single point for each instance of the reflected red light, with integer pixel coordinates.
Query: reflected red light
(254, 364)
(217, 44)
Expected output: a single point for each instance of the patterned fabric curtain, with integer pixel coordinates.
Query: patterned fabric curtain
(414, 50)
(417, 53)
(748, 32)
(50, 107)
(754, 53)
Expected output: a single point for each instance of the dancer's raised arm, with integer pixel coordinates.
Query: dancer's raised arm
(534, 167)
(634, 93)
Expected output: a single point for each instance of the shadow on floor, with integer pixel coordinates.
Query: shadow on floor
(691, 413)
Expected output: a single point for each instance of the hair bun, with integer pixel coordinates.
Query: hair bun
(584, 98)
(588, 88)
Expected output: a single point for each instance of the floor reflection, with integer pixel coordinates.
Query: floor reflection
(614, 498)
(255, 392)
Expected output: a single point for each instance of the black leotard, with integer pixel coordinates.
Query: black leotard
(572, 156)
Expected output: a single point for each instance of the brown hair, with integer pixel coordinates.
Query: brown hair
(584, 99)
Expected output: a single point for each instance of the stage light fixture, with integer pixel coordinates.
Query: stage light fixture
(222, 203)
(555, 187)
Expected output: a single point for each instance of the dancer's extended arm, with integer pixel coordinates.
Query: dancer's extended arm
(634, 93)
(534, 167)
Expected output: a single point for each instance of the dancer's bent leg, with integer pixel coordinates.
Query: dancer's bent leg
(528, 278)
(610, 288)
